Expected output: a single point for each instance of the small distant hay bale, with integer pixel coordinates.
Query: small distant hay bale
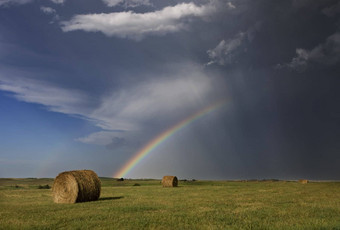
(169, 181)
(76, 186)
(304, 181)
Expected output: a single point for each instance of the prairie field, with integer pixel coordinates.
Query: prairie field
(145, 204)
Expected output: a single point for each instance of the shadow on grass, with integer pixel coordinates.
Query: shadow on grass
(111, 198)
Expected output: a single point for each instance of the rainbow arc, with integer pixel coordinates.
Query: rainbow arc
(158, 140)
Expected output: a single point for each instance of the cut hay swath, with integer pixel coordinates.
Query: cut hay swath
(169, 181)
(76, 186)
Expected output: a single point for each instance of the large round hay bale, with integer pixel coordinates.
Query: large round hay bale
(169, 181)
(76, 186)
(303, 181)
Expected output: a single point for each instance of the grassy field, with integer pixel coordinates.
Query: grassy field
(192, 205)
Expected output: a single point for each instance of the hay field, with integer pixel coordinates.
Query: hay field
(192, 205)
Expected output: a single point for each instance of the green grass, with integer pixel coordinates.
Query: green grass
(192, 205)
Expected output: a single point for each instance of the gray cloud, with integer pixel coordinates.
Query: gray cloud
(21, 2)
(13, 2)
(58, 1)
(299, 62)
(117, 142)
(301, 3)
(227, 51)
(327, 53)
(133, 105)
(129, 92)
(109, 139)
(332, 10)
(127, 3)
(159, 99)
(101, 138)
(138, 25)
(54, 98)
(308, 4)
(47, 10)
(50, 11)
(231, 5)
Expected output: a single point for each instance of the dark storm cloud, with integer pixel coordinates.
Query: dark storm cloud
(332, 10)
(227, 52)
(327, 53)
(136, 77)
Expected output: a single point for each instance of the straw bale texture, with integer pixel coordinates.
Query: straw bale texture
(76, 186)
(303, 181)
(169, 181)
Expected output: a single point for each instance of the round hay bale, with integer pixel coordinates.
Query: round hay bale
(303, 181)
(76, 186)
(169, 181)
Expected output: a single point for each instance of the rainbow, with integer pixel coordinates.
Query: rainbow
(154, 143)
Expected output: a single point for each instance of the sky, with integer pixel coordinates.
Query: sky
(88, 84)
